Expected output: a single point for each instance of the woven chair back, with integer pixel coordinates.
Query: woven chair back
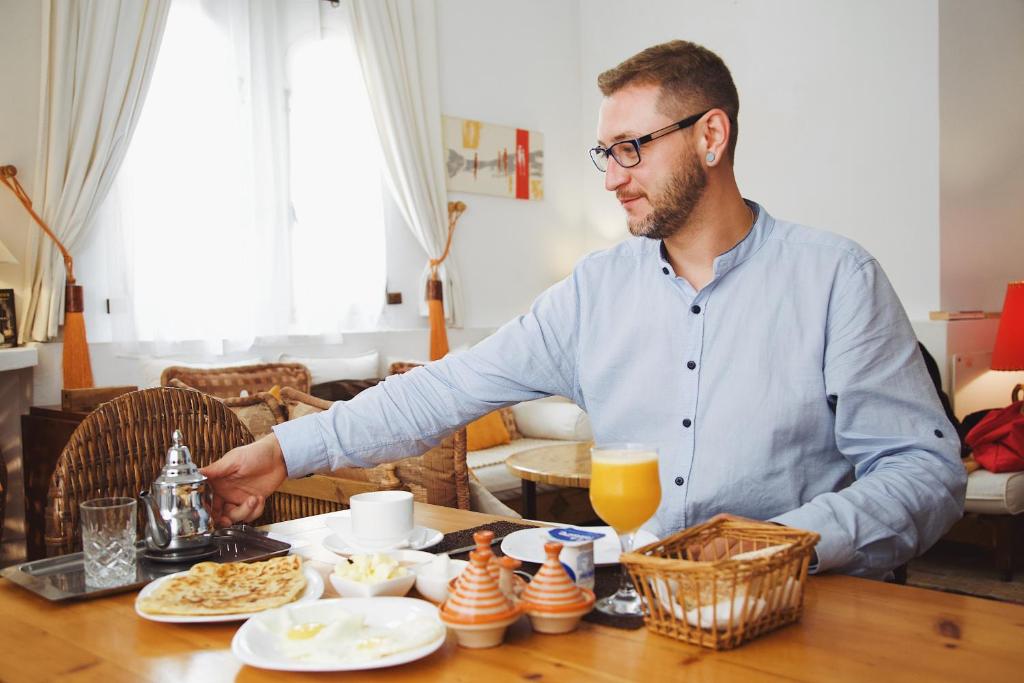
(120, 448)
(229, 382)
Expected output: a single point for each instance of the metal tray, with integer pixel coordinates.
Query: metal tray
(63, 577)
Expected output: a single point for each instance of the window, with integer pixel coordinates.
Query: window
(249, 203)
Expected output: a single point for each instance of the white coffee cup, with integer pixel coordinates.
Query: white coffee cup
(381, 518)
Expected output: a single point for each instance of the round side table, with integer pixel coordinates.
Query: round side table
(565, 464)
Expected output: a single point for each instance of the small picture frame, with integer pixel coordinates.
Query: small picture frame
(8, 319)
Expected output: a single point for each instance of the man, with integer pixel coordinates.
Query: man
(770, 363)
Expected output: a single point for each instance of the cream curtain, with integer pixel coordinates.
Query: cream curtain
(98, 57)
(397, 45)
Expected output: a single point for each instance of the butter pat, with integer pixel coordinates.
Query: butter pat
(370, 568)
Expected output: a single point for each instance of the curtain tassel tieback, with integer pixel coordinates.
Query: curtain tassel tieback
(77, 367)
(435, 296)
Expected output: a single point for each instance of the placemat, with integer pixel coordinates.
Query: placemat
(606, 579)
(464, 537)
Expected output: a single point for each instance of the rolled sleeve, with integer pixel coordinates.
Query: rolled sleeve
(909, 483)
(835, 548)
(303, 446)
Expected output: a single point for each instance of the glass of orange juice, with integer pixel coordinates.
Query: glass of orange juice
(625, 491)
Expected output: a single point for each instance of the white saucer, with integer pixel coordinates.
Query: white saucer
(421, 537)
(342, 542)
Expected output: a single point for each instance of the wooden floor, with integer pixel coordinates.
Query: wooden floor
(966, 569)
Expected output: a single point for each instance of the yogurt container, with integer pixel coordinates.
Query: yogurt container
(577, 553)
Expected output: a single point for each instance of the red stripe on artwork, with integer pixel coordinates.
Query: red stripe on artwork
(522, 164)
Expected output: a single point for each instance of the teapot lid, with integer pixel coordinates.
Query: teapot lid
(179, 468)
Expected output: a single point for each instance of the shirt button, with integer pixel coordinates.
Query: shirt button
(680, 481)
(691, 365)
(687, 422)
(695, 309)
(665, 270)
(938, 433)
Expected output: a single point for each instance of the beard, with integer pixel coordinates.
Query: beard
(673, 206)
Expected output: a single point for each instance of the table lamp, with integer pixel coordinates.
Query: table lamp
(1009, 351)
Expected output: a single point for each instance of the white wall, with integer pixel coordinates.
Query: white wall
(838, 116)
(981, 90)
(516, 64)
(19, 109)
(20, 28)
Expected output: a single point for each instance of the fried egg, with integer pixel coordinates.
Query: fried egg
(328, 634)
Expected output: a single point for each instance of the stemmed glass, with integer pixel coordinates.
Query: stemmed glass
(625, 491)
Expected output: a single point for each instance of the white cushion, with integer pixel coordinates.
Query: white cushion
(363, 366)
(482, 500)
(553, 418)
(152, 368)
(489, 466)
(993, 493)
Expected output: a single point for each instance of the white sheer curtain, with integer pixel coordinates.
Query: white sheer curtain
(202, 198)
(249, 205)
(98, 56)
(397, 44)
(338, 248)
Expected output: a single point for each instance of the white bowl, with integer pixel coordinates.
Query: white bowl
(348, 588)
(433, 586)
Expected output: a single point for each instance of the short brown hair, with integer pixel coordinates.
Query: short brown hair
(692, 79)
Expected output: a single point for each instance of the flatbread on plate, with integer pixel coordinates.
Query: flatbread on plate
(211, 588)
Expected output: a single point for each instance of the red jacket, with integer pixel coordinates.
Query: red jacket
(998, 440)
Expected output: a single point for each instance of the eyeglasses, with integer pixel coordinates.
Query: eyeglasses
(627, 152)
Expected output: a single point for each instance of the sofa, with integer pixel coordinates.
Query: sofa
(994, 515)
(446, 475)
(535, 424)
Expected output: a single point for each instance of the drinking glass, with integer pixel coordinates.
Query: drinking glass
(625, 491)
(108, 541)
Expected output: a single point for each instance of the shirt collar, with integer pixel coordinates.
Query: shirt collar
(744, 249)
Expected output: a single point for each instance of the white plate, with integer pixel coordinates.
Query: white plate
(528, 544)
(257, 646)
(314, 589)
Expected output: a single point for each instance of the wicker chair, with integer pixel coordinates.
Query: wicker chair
(229, 382)
(119, 449)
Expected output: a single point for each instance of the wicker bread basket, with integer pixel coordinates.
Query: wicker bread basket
(724, 582)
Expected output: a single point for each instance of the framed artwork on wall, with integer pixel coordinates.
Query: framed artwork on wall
(490, 159)
(8, 320)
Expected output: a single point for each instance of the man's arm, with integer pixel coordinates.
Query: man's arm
(889, 424)
(530, 357)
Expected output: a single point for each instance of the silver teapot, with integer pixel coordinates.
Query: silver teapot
(179, 509)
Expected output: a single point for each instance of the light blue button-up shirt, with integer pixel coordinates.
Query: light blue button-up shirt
(789, 388)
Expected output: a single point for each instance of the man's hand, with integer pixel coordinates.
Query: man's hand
(243, 479)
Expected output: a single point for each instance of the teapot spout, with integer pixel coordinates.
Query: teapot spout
(158, 532)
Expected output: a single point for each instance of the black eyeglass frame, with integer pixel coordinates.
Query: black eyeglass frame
(635, 143)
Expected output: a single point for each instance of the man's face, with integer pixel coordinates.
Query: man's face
(660, 193)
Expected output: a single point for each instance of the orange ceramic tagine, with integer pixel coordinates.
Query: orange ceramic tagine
(553, 601)
(476, 609)
(502, 569)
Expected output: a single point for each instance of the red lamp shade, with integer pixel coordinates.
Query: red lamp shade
(1009, 351)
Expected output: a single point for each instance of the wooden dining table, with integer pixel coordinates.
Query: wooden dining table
(851, 630)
